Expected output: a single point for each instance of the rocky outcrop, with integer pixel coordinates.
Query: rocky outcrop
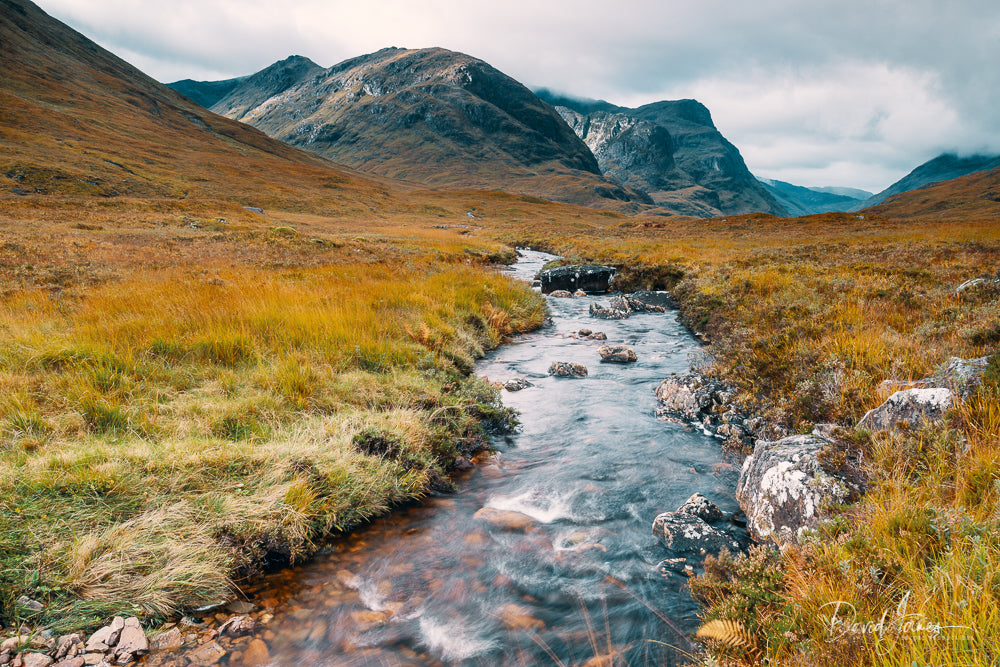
(617, 354)
(566, 369)
(962, 376)
(606, 313)
(623, 306)
(702, 507)
(517, 384)
(695, 399)
(685, 533)
(910, 407)
(784, 489)
(588, 278)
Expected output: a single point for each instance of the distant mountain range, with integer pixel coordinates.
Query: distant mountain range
(944, 167)
(798, 200)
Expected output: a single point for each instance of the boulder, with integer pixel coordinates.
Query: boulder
(598, 335)
(685, 533)
(628, 302)
(684, 397)
(106, 637)
(35, 660)
(783, 488)
(77, 661)
(171, 640)
(28, 606)
(256, 654)
(702, 507)
(583, 333)
(587, 278)
(579, 293)
(565, 369)
(619, 354)
(655, 298)
(912, 407)
(517, 384)
(561, 294)
(209, 653)
(962, 376)
(605, 313)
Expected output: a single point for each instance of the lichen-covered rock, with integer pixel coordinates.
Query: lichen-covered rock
(962, 376)
(686, 396)
(598, 335)
(566, 369)
(605, 313)
(628, 302)
(783, 488)
(561, 294)
(912, 407)
(618, 354)
(571, 278)
(655, 298)
(701, 507)
(685, 533)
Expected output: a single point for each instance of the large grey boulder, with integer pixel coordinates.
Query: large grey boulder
(962, 376)
(702, 507)
(566, 369)
(618, 354)
(910, 407)
(685, 533)
(588, 278)
(783, 489)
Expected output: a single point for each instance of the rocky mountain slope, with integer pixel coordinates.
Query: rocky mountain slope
(431, 116)
(672, 151)
(975, 196)
(799, 200)
(944, 167)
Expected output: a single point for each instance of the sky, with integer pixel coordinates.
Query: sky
(851, 93)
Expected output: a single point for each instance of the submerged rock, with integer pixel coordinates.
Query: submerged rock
(505, 519)
(566, 369)
(912, 407)
(587, 278)
(605, 313)
(685, 533)
(619, 354)
(783, 488)
(517, 384)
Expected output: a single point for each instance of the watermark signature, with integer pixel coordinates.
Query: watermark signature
(843, 621)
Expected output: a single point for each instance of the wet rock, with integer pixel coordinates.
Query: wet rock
(702, 507)
(566, 369)
(619, 354)
(517, 384)
(240, 607)
(106, 637)
(632, 304)
(655, 298)
(685, 397)
(685, 533)
(783, 488)
(561, 294)
(579, 293)
(668, 565)
(35, 660)
(587, 278)
(207, 654)
(912, 407)
(237, 626)
(583, 333)
(505, 519)
(93, 658)
(606, 313)
(171, 640)
(68, 645)
(256, 654)
(78, 661)
(598, 335)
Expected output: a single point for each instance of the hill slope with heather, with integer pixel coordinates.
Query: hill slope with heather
(944, 167)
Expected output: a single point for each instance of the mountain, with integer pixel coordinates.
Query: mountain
(799, 201)
(670, 150)
(970, 198)
(944, 167)
(75, 120)
(853, 193)
(431, 116)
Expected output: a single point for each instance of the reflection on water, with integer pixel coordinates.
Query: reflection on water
(561, 566)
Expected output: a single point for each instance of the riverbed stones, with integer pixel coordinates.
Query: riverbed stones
(607, 313)
(685, 533)
(783, 488)
(505, 519)
(566, 369)
(106, 637)
(909, 408)
(517, 384)
(171, 640)
(588, 278)
(132, 642)
(617, 354)
(35, 660)
(256, 654)
(561, 294)
(209, 653)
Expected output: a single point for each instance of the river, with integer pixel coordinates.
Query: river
(577, 584)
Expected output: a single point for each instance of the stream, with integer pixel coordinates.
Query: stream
(565, 570)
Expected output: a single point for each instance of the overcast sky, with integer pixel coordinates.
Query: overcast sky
(846, 92)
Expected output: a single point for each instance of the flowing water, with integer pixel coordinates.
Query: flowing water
(591, 466)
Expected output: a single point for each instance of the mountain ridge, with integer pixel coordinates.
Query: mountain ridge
(944, 167)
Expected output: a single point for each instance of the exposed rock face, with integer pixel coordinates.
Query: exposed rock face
(570, 278)
(565, 369)
(685, 533)
(912, 407)
(618, 354)
(783, 488)
(672, 151)
(429, 115)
